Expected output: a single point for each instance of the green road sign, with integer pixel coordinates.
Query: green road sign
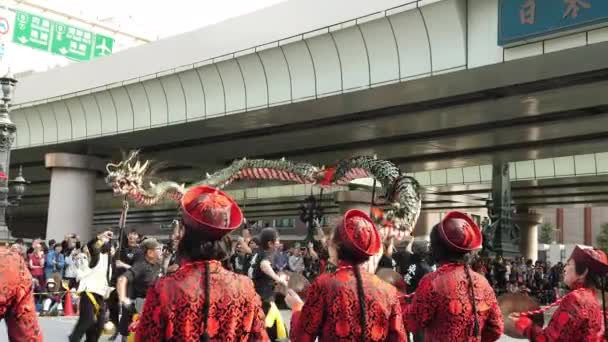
(33, 31)
(59, 38)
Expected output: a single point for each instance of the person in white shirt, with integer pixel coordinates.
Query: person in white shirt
(296, 261)
(94, 289)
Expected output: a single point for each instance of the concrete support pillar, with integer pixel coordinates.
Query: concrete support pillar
(72, 195)
(424, 225)
(528, 235)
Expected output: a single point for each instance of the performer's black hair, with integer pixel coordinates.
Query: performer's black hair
(598, 282)
(591, 280)
(267, 235)
(196, 246)
(442, 253)
(346, 254)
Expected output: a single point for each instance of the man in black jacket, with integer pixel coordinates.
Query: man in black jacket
(135, 282)
(418, 266)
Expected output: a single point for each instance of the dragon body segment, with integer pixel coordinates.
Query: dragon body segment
(402, 192)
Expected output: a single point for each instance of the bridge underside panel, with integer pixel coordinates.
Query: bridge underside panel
(345, 58)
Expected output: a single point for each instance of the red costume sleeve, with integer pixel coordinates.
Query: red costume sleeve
(21, 319)
(563, 325)
(306, 325)
(396, 328)
(422, 308)
(258, 328)
(494, 325)
(151, 323)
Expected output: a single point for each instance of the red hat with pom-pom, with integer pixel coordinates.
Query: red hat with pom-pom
(359, 234)
(210, 210)
(460, 232)
(595, 259)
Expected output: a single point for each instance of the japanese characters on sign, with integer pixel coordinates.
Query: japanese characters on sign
(525, 20)
(59, 38)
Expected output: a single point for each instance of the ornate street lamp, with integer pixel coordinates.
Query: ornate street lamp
(17, 187)
(7, 137)
(311, 212)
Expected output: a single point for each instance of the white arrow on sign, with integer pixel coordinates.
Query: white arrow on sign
(63, 51)
(22, 39)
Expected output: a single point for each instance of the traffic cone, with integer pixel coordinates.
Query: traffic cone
(68, 309)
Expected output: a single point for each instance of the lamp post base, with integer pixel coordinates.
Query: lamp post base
(5, 235)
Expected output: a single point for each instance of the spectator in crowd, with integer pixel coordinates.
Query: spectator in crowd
(71, 268)
(52, 298)
(296, 261)
(54, 262)
(241, 257)
(280, 259)
(36, 262)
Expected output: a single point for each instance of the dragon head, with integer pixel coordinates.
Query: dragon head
(127, 175)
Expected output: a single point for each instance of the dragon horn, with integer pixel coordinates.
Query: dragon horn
(143, 168)
(115, 166)
(208, 175)
(137, 166)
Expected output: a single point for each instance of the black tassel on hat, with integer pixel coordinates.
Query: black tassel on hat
(205, 335)
(604, 288)
(467, 271)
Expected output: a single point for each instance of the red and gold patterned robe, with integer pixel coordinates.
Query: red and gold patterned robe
(442, 307)
(332, 313)
(16, 299)
(173, 309)
(578, 318)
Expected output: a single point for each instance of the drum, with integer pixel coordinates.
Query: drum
(299, 284)
(393, 278)
(518, 302)
(295, 281)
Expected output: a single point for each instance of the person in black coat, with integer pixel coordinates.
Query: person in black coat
(419, 264)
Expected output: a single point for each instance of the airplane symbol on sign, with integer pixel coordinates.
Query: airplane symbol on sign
(104, 49)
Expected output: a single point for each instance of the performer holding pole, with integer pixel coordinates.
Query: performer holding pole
(349, 304)
(454, 303)
(202, 301)
(579, 316)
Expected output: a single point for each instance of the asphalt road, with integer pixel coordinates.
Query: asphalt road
(57, 329)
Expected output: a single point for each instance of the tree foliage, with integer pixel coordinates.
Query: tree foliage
(602, 238)
(546, 234)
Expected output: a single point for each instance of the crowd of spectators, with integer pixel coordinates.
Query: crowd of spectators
(55, 266)
(539, 279)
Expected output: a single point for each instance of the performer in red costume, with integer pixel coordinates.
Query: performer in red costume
(16, 299)
(349, 304)
(455, 304)
(579, 316)
(202, 301)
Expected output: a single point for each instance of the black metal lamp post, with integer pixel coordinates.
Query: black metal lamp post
(310, 212)
(7, 137)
